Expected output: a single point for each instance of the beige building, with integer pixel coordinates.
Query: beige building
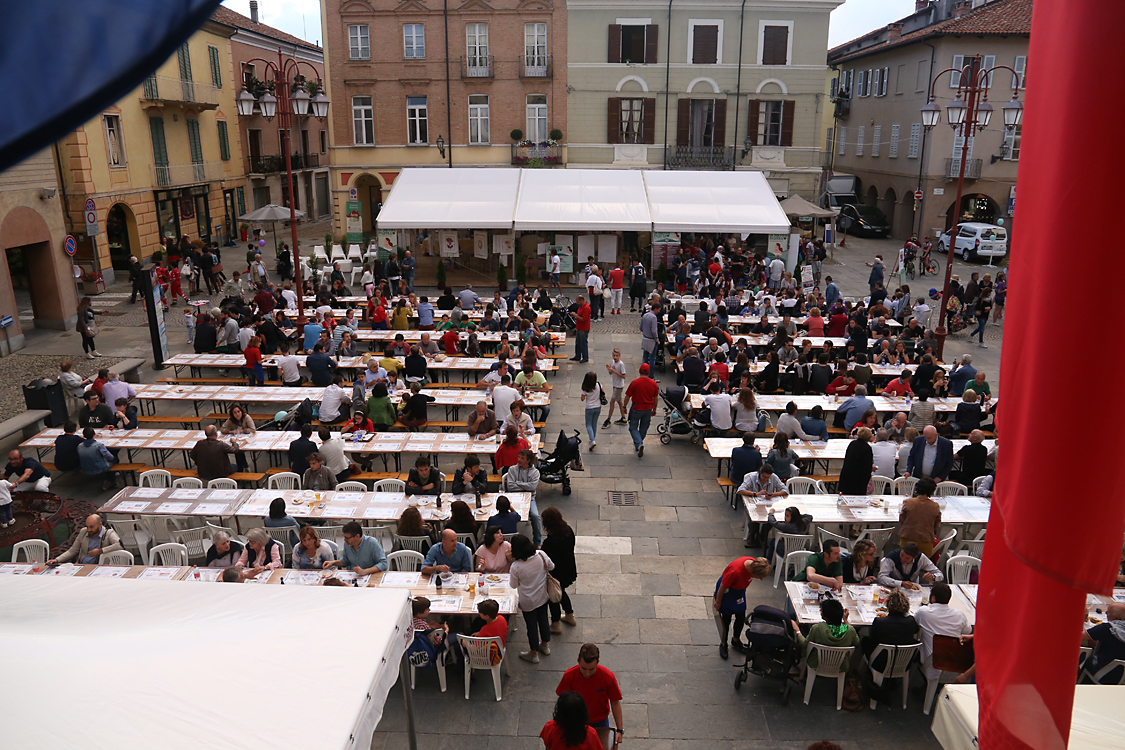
(699, 85)
(880, 84)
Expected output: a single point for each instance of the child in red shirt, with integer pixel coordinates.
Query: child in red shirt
(450, 340)
(253, 354)
(495, 625)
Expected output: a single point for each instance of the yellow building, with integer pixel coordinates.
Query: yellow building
(164, 161)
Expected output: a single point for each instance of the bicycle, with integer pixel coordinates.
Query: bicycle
(909, 268)
(930, 266)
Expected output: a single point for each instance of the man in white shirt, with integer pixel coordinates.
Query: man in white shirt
(332, 450)
(373, 374)
(499, 303)
(885, 453)
(595, 287)
(502, 397)
(939, 619)
(556, 267)
(777, 268)
(493, 377)
(719, 403)
(334, 396)
(288, 367)
(290, 297)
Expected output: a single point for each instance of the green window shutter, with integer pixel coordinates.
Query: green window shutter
(185, 62)
(159, 147)
(216, 69)
(224, 144)
(194, 142)
(241, 201)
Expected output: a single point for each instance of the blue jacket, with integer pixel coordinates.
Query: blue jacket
(959, 378)
(854, 408)
(321, 367)
(943, 462)
(815, 427)
(743, 461)
(94, 458)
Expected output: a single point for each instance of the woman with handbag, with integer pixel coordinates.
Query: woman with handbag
(531, 579)
(592, 394)
(87, 327)
(559, 546)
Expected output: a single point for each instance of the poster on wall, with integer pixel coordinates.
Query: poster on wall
(504, 245)
(607, 248)
(587, 247)
(664, 248)
(448, 243)
(480, 245)
(386, 240)
(353, 218)
(778, 243)
(806, 279)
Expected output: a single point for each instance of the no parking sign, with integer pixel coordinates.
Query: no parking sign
(71, 245)
(91, 218)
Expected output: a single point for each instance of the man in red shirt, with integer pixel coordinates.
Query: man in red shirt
(616, 289)
(843, 385)
(900, 386)
(582, 326)
(730, 598)
(598, 688)
(450, 341)
(265, 301)
(642, 392)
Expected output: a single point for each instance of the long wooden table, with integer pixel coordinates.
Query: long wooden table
(814, 450)
(464, 365)
(865, 603)
(174, 573)
(866, 510)
(485, 337)
(775, 402)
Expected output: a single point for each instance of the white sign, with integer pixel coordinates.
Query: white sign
(447, 241)
(939, 191)
(91, 218)
(504, 244)
(480, 245)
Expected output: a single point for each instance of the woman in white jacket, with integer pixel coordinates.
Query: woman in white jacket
(528, 577)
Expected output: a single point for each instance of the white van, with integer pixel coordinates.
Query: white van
(976, 240)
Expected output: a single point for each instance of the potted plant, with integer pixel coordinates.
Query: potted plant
(502, 277)
(441, 273)
(314, 264)
(662, 273)
(516, 135)
(556, 135)
(521, 268)
(328, 242)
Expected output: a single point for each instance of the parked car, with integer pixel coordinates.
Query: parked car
(976, 240)
(860, 220)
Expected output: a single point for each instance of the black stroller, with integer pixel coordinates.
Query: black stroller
(677, 416)
(773, 649)
(554, 467)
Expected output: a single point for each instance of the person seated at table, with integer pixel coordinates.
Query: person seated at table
(744, 459)
(907, 567)
(410, 524)
(380, 411)
(414, 408)
(896, 628)
(318, 476)
(869, 420)
(66, 448)
(494, 555)
(320, 366)
(95, 414)
(974, 459)
(900, 386)
(519, 419)
(359, 423)
(939, 619)
(896, 427)
(223, 552)
(362, 554)
(833, 631)
(461, 518)
(312, 552)
(448, 556)
(782, 459)
(788, 425)
(482, 420)
(495, 624)
(920, 517)
(931, 455)
(813, 424)
(508, 451)
(763, 484)
(693, 370)
(824, 567)
(300, 449)
(794, 523)
(124, 415)
(505, 518)
(859, 565)
(415, 367)
(212, 455)
(1108, 641)
(862, 371)
(332, 452)
(820, 374)
(470, 477)
(969, 414)
(844, 385)
(232, 574)
(849, 413)
(260, 554)
(93, 541)
(95, 460)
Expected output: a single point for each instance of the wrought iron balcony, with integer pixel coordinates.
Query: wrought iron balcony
(972, 169)
(843, 108)
(276, 163)
(165, 175)
(701, 157)
(536, 66)
(478, 66)
(164, 90)
(536, 155)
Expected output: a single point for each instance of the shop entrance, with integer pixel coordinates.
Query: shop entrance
(121, 230)
(32, 278)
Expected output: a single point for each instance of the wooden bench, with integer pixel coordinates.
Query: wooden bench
(30, 423)
(827, 479)
(188, 421)
(126, 469)
(730, 490)
(213, 381)
(253, 478)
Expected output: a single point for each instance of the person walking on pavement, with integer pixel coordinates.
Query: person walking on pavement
(650, 334)
(600, 691)
(642, 392)
(135, 272)
(637, 286)
(730, 598)
(876, 272)
(582, 331)
(86, 327)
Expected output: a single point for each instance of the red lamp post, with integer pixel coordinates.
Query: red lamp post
(967, 113)
(292, 100)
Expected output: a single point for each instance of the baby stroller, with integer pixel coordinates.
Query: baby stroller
(773, 649)
(677, 416)
(554, 466)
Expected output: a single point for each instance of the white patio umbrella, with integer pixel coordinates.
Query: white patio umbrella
(270, 214)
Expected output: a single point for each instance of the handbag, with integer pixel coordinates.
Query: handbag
(601, 394)
(91, 329)
(554, 588)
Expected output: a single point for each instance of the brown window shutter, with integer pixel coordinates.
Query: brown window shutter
(614, 43)
(787, 108)
(705, 45)
(683, 122)
(652, 34)
(752, 121)
(720, 138)
(613, 121)
(775, 40)
(648, 121)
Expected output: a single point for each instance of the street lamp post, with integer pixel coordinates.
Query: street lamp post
(967, 113)
(291, 101)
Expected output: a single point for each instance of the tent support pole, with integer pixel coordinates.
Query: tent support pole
(408, 699)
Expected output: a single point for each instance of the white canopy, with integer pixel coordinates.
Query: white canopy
(467, 198)
(582, 200)
(713, 202)
(142, 664)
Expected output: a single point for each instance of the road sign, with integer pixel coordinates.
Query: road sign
(91, 218)
(917, 195)
(5, 321)
(90, 204)
(353, 194)
(71, 245)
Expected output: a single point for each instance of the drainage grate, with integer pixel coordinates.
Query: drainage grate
(624, 498)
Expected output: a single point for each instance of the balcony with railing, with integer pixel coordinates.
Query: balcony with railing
(536, 155)
(843, 108)
(701, 157)
(536, 66)
(972, 169)
(164, 90)
(165, 175)
(274, 163)
(478, 66)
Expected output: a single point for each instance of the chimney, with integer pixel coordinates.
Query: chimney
(962, 8)
(894, 31)
(254, 11)
(920, 5)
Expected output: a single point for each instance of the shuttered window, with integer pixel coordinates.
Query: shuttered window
(859, 140)
(224, 141)
(159, 147)
(775, 45)
(241, 201)
(633, 44)
(1021, 71)
(193, 141)
(876, 136)
(216, 67)
(892, 150)
(184, 57)
(915, 140)
(955, 76)
(843, 140)
(705, 45)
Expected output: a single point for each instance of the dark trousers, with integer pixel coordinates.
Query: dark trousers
(136, 291)
(558, 608)
(739, 623)
(538, 627)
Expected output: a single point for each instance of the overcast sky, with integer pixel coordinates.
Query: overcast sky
(301, 18)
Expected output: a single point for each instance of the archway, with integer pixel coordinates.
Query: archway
(124, 239)
(974, 207)
(369, 190)
(872, 197)
(887, 206)
(31, 264)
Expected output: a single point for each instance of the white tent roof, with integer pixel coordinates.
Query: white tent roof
(713, 202)
(467, 198)
(582, 200)
(185, 665)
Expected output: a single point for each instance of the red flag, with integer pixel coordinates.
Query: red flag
(1051, 537)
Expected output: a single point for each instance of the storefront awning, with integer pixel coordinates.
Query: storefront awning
(574, 200)
(741, 202)
(469, 198)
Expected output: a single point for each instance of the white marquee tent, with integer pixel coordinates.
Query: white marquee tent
(740, 202)
(451, 199)
(575, 200)
(161, 664)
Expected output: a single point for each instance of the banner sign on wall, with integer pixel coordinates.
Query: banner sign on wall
(353, 218)
(504, 244)
(480, 245)
(448, 243)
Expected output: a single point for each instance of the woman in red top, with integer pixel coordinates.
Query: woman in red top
(377, 313)
(508, 451)
(568, 726)
(815, 322)
(253, 354)
(837, 324)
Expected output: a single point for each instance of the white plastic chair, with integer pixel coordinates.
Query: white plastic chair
(904, 486)
(898, 662)
(384, 534)
(283, 536)
(469, 540)
(160, 527)
(213, 528)
(822, 534)
(881, 485)
(795, 562)
(959, 567)
(222, 483)
(405, 559)
(188, 483)
(170, 554)
(334, 547)
(353, 252)
(439, 667)
(318, 252)
(943, 546)
(357, 272)
(345, 266)
(118, 557)
(945, 489)
(974, 547)
(133, 533)
(478, 655)
(878, 537)
(390, 485)
(932, 684)
(786, 543)
(285, 480)
(978, 482)
(351, 487)
(1101, 673)
(419, 544)
(338, 253)
(803, 486)
(155, 478)
(334, 534)
(1084, 653)
(35, 550)
(829, 663)
(196, 540)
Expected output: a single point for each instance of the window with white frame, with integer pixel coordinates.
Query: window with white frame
(476, 44)
(876, 80)
(860, 134)
(363, 120)
(478, 119)
(843, 140)
(864, 85)
(537, 117)
(1020, 67)
(1012, 143)
(846, 83)
(632, 121)
(883, 82)
(535, 46)
(114, 146)
(775, 42)
(955, 76)
(892, 150)
(915, 140)
(359, 42)
(417, 123)
(705, 41)
(876, 136)
(413, 41)
(769, 123)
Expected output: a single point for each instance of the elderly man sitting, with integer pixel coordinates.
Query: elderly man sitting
(362, 554)
(907, 567)
(449, 556)
(224, 551)
(92, 542)
(850, 412)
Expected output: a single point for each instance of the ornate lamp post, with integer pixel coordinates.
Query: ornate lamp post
(967, 113)
(292, 100)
